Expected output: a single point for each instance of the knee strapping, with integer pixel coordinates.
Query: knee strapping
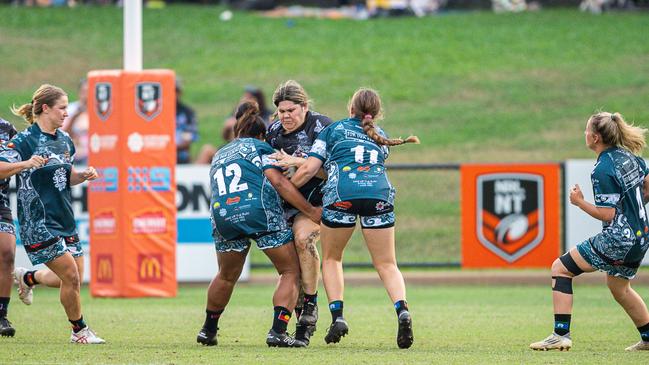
(562, 284)
(570, 264)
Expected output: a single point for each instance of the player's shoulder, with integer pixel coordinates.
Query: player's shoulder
(274, 128)
(7, 130)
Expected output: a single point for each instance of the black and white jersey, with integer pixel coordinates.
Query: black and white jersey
(298, 143)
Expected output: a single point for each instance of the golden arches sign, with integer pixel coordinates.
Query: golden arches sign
(150, 268)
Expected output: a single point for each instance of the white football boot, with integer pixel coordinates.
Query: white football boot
(25, 292)
(86, 336)
(553, 342)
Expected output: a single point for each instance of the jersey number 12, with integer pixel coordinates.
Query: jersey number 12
(233, 170)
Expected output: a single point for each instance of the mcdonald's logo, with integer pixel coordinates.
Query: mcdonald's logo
(104, 269)
(150, 268)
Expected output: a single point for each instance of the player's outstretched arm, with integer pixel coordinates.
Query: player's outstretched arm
(77, 177)
(290, 193)
(9, 169)
(307, 171)
(605, 214)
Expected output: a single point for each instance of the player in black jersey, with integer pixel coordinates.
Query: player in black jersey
(7, 240)
(292, 134)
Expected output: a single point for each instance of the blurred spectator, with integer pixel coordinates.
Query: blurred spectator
(227, 132)
(186, 127)
(77, 124)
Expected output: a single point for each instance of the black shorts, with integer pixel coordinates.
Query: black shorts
(374, 213)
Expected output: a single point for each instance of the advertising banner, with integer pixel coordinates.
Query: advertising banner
(510, 215)
(131, 206)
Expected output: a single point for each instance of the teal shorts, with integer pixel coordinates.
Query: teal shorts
(44, 252)
(264, 241)
(6, 227)
(600, 263)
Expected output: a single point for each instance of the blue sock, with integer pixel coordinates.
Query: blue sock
(644, 332)
(336, 309)
(562, 324)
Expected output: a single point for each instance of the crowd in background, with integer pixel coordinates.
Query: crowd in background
(363, 9)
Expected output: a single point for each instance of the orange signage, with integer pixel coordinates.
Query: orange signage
(510, 215)
(150, 268)
(132, 205)
(104, 270)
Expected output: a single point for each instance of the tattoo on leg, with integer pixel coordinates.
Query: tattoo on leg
(310, 244)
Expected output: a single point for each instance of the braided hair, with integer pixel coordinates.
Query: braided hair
(365, 105)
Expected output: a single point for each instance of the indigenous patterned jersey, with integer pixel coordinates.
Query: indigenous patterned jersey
(44, 201)
(298, 143)
(354, 163)
(244, 203)
(7, 132)
(617, 182)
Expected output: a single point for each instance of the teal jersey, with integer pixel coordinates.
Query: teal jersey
(355, 164)
(618, 183)
(243, 201)
(44, 201)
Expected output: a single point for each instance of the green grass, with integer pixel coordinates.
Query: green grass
(475, 87)
(459, 325)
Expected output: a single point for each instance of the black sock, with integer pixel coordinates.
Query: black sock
(212, 320)
(4, 306)
(562, 324)
(280, 319)
(336, 309)
(644, 332)
(78, 325)
(30, 278)
(311, 298)
(298, 312)
(401, 306)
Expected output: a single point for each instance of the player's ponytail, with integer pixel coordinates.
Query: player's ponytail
(616, 132)
(365, 105)
(249, 122)
(46, 94)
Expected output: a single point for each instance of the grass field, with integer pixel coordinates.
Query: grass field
(475, 87)
(458, 325)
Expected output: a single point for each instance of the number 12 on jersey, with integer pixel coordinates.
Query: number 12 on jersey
(233, 170)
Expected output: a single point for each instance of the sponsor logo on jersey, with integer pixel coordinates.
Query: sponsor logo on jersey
(231, 201)
(343, 205)
(363, 168)
(510, 213)
(60, 178)
(104, 265)
(150, 222)
(148, 100)
(103, 100)
(346, 168)
(150, 268)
